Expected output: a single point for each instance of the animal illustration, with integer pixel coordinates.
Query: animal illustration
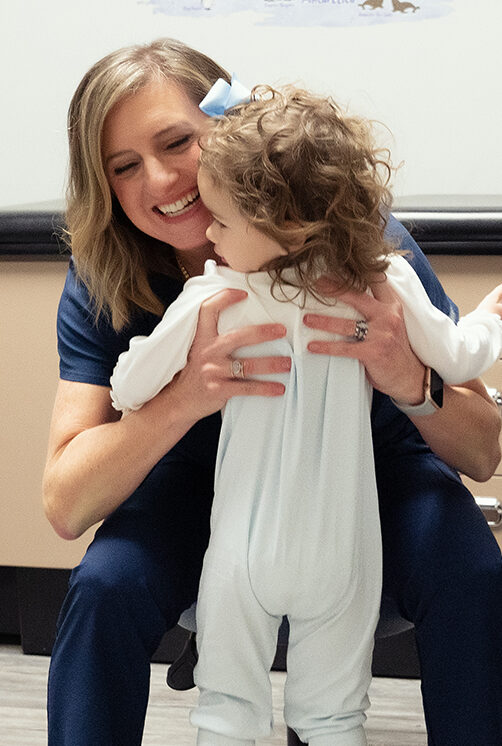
(403, 7)
(372, 3)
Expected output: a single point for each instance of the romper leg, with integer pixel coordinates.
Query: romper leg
(207, 738)
(329, 669)
(237, 641)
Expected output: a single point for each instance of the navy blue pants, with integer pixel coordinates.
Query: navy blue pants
(441, 565)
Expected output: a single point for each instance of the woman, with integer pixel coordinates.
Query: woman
(137, 228)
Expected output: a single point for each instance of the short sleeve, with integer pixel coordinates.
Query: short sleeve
(88, 348)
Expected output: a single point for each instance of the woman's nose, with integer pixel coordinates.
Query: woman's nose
(159, 175)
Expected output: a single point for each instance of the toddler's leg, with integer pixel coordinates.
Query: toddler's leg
(206, 738)
(237, 641)
(329, 671)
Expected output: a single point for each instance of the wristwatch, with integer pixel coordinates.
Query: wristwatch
(433, 396)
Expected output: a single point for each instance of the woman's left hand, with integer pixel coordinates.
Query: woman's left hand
(391, 365)
(465, 431)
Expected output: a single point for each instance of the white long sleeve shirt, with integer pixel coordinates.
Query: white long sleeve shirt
(304, 459)
(457, 352)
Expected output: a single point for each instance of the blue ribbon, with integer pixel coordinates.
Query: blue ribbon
(223, 96)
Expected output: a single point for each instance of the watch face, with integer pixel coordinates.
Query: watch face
(436, 388)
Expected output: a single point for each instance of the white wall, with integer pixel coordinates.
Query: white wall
(435, 81)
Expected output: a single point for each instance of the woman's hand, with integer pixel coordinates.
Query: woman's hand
(465, 431)
(96, 460)
(207, 380)
(391, 365)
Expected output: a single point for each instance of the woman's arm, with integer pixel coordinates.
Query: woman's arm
(464, 432)
(95, 460)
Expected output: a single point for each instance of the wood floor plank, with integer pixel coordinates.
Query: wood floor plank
(394, 719)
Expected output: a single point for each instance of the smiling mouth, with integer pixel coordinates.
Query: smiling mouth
(180, 206)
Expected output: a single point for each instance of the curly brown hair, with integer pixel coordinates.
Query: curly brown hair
(308, 176)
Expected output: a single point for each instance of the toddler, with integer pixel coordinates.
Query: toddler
(297, 191)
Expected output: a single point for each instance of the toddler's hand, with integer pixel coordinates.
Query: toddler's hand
(492, 302)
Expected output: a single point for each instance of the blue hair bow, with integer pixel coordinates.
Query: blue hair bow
(223, 96)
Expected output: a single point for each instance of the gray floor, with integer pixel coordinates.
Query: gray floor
(395, 717)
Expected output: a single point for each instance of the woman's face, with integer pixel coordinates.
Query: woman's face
(150, 152)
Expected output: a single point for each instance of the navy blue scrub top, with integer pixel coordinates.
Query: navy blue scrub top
(88, 353)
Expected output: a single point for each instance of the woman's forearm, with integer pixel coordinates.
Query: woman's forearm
(96, 461)
(465, 431)
(91, 472)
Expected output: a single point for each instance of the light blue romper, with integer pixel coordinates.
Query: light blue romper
(294, 527)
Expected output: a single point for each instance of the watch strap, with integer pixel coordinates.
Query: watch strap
(428, 406)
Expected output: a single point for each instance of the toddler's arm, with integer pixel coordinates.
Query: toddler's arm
(458, 352)
(151, 362)
(492, 302)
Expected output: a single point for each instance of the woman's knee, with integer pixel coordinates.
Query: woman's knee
(103, 594)
(104, 585)
(437, 544)
(120, 575)
(467, 588)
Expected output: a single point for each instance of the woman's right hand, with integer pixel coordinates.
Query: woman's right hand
(95, 460)
(206, 381)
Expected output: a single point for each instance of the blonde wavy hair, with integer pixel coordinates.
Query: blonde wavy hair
(112, 257)
(310, 177)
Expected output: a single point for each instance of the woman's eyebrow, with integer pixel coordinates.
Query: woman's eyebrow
(118, 154)
(172, 128)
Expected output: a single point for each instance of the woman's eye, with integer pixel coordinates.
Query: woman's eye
(118, 170)
(179, 142)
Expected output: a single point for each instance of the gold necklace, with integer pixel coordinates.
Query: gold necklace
(184, 271)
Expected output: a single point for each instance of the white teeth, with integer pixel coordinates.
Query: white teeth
(176, 207)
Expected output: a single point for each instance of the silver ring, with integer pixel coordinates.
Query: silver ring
(237, 368)
(360, 331)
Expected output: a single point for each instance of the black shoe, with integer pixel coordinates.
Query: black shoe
(180, 672)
